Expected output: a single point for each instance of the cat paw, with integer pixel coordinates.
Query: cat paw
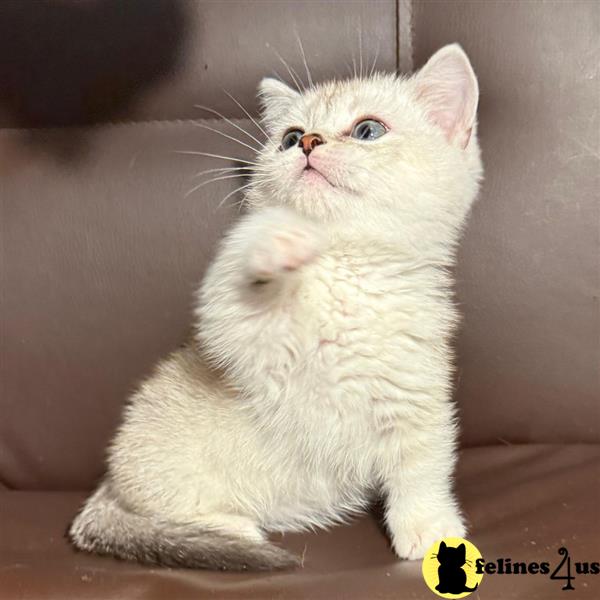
(283, 245)
(412, 542)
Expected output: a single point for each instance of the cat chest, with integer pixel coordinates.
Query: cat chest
(352, 312)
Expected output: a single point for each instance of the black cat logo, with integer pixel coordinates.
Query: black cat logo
(452, 577)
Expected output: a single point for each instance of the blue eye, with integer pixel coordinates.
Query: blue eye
(291, 138)
(368, 130)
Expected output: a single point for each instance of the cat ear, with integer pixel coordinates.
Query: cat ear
(275, 97)
(442, 546)
(274, 90)
(462, 548)
(448, 87)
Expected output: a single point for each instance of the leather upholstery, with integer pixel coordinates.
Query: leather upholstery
(101, 249)
(528, 268)
(523, 502)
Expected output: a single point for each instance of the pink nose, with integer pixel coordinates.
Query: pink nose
(309, 141)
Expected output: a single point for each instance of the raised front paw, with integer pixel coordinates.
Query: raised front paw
(285, 242)
(412, 540)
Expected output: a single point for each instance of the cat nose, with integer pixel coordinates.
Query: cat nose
(309, 141)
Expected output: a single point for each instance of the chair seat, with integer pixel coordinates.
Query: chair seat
(523, 502)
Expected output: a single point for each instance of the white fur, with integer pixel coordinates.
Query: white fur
(331, 379)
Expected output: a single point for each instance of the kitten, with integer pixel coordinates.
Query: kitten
(453, 579)
(320, 370)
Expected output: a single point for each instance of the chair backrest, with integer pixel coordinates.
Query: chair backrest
(101, 247)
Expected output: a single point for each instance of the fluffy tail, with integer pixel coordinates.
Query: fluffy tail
(103, 526)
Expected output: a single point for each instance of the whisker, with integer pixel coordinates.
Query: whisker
(249, 115)
(201, 185)
(372, 70)
(240, 203)
(296, 77)
(197, 153)
(299, 78)
(308, 75)
(221, 170)
(225, 135)
(278, 75)
(360, 53)
(239, 189)
(216, 112)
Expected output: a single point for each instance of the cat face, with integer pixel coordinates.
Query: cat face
(373, 145)
(452, 557)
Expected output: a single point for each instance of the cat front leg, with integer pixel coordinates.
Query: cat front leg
(281, 243)
(264, 246)
(245, 309)
(417, 481)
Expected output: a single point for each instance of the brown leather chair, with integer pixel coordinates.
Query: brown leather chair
(102, 248)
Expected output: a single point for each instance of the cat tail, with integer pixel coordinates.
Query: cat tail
(104, 527)
(467, 589)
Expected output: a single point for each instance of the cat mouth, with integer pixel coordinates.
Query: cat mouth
(310, 173)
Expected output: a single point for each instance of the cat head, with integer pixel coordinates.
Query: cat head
(452, 557)
(370, 145)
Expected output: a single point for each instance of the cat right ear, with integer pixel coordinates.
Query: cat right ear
(275, 97)
(448, 87)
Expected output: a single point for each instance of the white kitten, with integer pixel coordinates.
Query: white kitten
(321, 368)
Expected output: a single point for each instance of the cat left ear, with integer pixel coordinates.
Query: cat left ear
(448, 87)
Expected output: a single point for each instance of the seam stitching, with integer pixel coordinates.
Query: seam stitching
(118, 124)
